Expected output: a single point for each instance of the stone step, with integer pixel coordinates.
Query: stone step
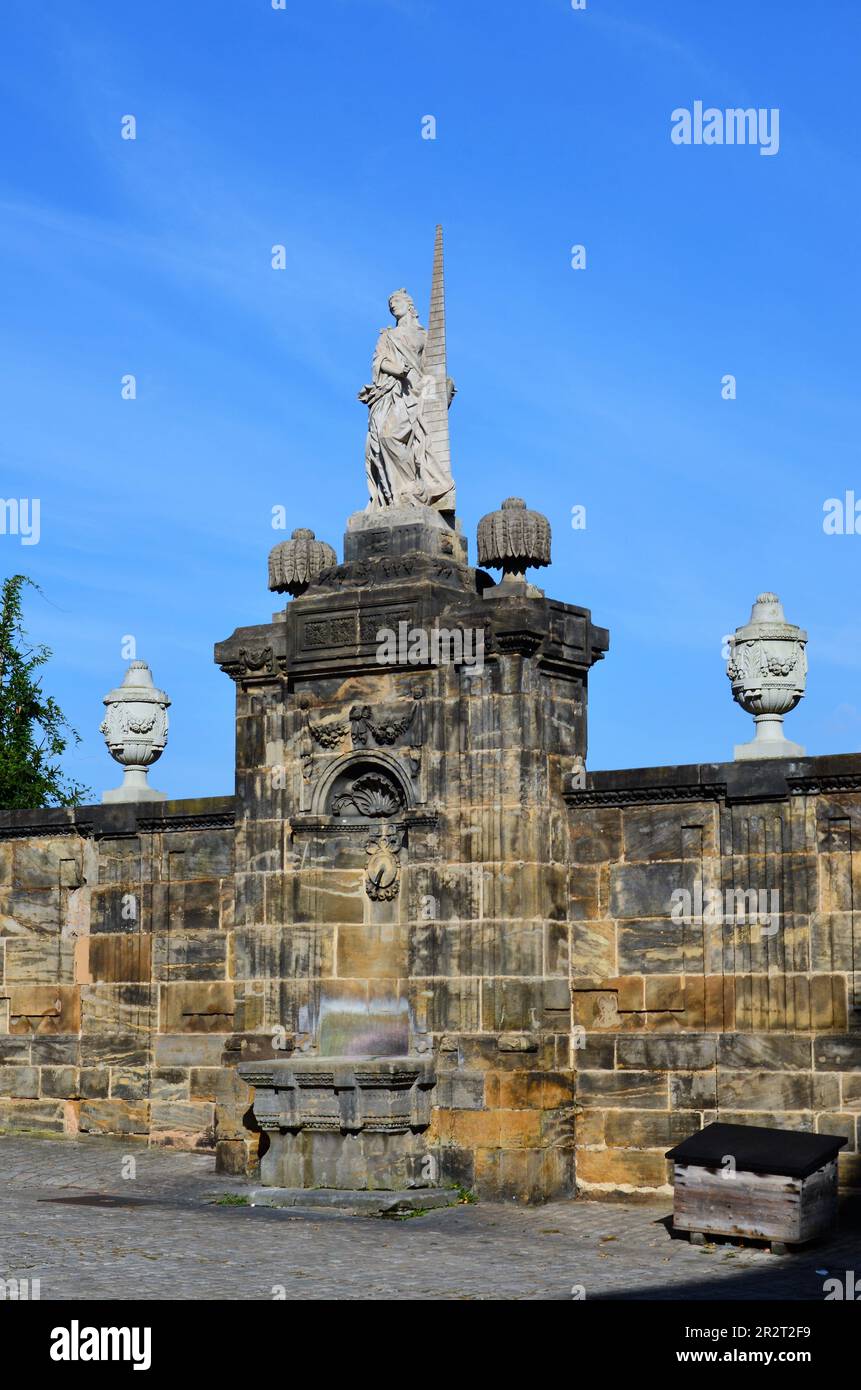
(355, 1203)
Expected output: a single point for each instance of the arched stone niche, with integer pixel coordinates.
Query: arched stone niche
(363, 786)
(368, 792)
(362, 809)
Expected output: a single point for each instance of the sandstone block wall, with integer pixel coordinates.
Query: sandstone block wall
(688, 1022)
(578, 1031)
(118, 1007)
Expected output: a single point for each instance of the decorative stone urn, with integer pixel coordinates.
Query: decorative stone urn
(294, 563)
(768, 669)
(135, 730)
(514, 539)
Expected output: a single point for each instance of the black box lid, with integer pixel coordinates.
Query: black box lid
(787, 1152)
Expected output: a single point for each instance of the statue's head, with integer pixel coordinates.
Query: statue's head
(401, 305)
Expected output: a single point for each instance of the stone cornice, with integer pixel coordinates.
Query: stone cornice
(773, 779)
(121, 820)
(815, 786)
(326, 631)
(418, 817)
(640, 796)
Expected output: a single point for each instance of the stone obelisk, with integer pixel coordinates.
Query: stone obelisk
(434, 363)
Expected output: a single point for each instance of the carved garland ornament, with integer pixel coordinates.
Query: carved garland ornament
(330, 733)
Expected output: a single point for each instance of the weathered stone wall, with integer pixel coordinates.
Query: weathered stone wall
(685, 1023)
(116, 998)
(410, 867)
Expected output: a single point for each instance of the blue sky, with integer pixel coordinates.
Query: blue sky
(599, 387)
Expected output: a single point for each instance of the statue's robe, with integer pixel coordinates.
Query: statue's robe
(399, 462)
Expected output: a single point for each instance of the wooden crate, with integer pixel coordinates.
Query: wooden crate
(764, 1184)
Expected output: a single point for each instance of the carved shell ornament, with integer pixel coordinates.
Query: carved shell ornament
(371, 795)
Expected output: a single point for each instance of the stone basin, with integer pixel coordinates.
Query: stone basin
(344, 1122)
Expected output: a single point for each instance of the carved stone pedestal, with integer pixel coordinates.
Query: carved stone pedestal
(403, 531)
(344, 1122)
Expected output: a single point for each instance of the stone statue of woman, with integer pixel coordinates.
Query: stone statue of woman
(399, 457)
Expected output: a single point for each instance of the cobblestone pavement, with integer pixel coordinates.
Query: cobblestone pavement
(164, 1237)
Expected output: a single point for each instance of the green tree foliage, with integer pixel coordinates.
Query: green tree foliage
(34, 733)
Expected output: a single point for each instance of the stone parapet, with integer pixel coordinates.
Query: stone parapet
(714, 954)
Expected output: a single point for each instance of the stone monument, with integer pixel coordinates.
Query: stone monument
(401, 815)
(421, 946)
